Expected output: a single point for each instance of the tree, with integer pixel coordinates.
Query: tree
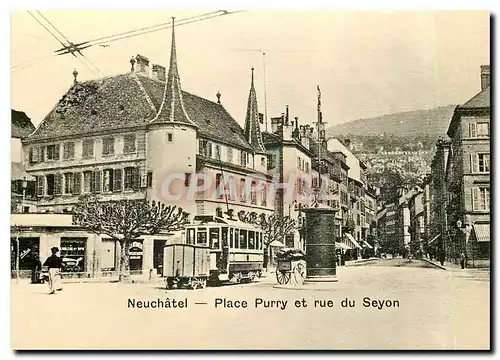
(273, 228)
(126, 220)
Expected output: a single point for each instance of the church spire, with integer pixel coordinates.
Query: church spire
(172, 107)
(252, 127)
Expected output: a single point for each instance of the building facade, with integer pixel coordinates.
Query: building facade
(468, 175)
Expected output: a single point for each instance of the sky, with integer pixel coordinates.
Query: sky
(366, 63)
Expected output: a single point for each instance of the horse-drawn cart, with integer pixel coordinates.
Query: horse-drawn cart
(291, 265)
(186, 265)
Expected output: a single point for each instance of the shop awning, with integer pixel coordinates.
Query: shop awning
(482, 232)
(434, 238)
(351, 239)
(277, 243)
(367, 245)
(339, 245)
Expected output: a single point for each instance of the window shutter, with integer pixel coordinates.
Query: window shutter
(57, 184)
(475, 201)
(117, 180)
(39, 185)
(77, 183)
(472, 130)
(473, 163)
(97, 181)
(135, 179)
(41, 154)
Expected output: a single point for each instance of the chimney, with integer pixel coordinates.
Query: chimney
(485, 76)
(159, 72)
(142, 65)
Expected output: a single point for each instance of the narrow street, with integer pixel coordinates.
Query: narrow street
(416, 307)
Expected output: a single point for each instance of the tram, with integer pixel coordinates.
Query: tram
(236, 248)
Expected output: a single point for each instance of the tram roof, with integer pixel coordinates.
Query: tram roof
(211, 220)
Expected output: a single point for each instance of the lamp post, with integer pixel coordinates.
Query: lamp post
(24, 185)
(466, 229)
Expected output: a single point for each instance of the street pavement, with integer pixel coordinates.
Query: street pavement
(416, 307)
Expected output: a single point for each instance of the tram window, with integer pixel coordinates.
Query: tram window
(261, 242)
(236, 238)
(224, 237)
(202, 237)
(191, 236)
(251, 240)
(214, 238)
(243, 239)
(231, 241)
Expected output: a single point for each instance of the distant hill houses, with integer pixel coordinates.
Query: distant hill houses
(432, 122)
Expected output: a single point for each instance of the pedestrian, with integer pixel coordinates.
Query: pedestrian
(36, 269)
(462, 260)
(54, 264)
(441, 257)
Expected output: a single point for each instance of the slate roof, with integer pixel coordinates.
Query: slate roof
(252, 127)
(21, 124)
(172, 108)
(212, 119)
(481, 100)
(131, 100)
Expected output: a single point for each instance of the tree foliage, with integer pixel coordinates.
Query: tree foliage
(272, 226)
(126, 220)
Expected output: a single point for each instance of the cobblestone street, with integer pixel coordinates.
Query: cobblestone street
(427, 308)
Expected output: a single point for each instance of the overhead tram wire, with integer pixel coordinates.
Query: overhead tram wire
(69, 42)
(72, 48)
(62, 43)
(146, 30)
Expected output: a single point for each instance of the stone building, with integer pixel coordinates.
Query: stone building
(468, 175)
(438, 239)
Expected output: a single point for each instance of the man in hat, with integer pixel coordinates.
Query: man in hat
(54, 264)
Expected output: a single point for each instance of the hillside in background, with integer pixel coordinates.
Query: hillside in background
(432, 122)
(397, 148)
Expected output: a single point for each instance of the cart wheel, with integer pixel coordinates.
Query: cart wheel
(170, 284)
(283, 277)
(203, 283)
(194, 286)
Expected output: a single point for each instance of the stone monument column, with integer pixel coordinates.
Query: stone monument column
(320, 244)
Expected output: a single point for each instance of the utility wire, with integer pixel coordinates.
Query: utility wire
(56, 29)
(147, 30)
(141, 29)
(66, 46)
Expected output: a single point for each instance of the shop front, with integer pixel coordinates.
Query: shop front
(23, 252)
(135, 253)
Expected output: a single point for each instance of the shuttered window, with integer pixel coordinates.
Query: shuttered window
(87, 182)
(57, 184)
(480, 163)
(77, 183)
(40, 182)
(68, 183)
(131, 179)
(96, 182)
(481, 199)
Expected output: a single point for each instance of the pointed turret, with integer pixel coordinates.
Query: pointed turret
(252, 127)
(172, 108)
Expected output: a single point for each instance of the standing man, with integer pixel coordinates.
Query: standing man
(462, 260)
(54, 264)
(36, 269)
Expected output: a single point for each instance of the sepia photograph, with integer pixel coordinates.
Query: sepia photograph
(250, 180)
